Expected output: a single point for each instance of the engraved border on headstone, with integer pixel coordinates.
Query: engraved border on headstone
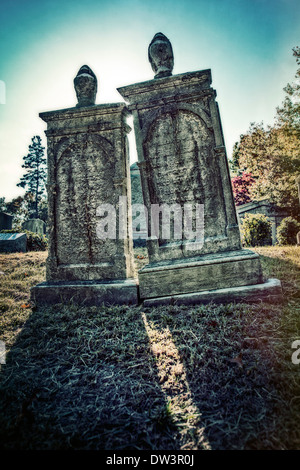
(110, 140)
(206, 180)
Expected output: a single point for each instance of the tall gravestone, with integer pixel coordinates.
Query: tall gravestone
(182, 160)
(88, 185)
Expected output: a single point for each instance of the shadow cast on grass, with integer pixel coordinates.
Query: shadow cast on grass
(236, 363)
(169, 378)
(282, 262)
(83, 378)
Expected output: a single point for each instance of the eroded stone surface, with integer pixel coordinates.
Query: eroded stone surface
(87, 167)
(86, 293)
(182, 157)
(236, 268)
(160, 54)
(182, 160)
(85, 84)
(269, 291)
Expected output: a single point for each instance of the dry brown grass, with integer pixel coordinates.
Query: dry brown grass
(169, 378)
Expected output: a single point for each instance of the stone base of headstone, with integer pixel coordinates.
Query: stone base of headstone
(86, 293)
(222, 276)
(13, 242)
(269, 291)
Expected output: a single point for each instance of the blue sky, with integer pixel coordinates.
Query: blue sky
(246, 43)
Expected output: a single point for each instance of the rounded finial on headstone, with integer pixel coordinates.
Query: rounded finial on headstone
(160, 56)
(85, 84)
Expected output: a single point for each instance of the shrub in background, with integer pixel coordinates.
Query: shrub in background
(287, 231)
(35, 241)
(256, 230)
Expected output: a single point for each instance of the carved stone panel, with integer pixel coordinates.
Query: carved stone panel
(88, 168)
(79, 193)
(180, 159)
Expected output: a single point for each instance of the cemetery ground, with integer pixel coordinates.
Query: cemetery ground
(168, 378)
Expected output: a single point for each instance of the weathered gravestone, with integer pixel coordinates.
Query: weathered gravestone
(35, 225)
(13, 242)
(183, 165)
(5, 221)
(88, 191)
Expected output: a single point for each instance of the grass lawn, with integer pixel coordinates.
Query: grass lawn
(168, 378)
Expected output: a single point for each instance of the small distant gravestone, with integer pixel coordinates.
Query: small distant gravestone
(13, 242)
(5, 221)
(35, 225)
(298, 239)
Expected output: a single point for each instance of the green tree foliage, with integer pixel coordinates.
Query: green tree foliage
(272, 153)
(234, 162)
(3, 207)
(43, 209)
(288, 114)
(35, 177)
(256, 230)
(20, 207)
(14, 205)
(287, 231)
